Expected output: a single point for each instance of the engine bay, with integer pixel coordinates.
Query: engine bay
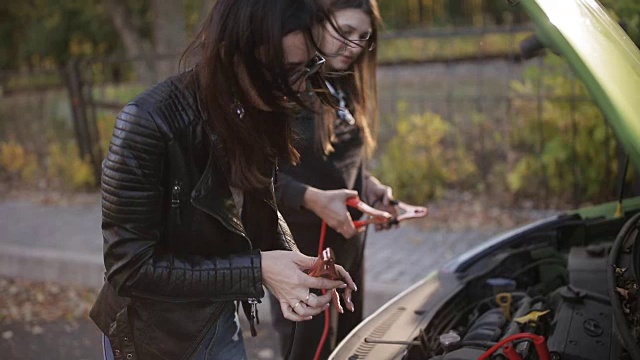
(567, 294)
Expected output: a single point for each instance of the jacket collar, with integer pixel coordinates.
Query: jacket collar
(213, 196)
(212, 193)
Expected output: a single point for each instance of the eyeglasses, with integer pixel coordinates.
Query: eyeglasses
(361, 42)
(313, 65)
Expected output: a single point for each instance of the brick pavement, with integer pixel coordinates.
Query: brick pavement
(62, 243)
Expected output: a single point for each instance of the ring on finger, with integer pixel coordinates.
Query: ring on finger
(294, 306)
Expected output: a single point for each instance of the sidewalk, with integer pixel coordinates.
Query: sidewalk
(63, 244)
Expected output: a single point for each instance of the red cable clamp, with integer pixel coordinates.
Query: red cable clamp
(325, 266)
(405, 212)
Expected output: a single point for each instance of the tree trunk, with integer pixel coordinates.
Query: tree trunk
(138, 49)
(87, 140)
(420, 13)
(170, 35)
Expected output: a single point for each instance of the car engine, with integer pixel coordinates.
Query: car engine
(544, 301)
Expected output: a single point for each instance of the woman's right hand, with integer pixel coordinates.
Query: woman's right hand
(331, 206)
(283, 274)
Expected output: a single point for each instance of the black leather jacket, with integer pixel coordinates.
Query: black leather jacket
(175, 250)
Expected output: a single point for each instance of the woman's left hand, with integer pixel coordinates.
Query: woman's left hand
(380, 196)
(283, 273)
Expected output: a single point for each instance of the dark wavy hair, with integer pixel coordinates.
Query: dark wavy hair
(247, 35)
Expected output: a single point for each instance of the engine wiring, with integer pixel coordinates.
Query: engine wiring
(539, 342)
(433, 343)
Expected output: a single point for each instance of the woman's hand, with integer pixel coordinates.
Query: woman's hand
(283, 274)
(379, 196)
(331, 206)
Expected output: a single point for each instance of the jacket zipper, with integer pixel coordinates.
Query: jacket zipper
(175, 201)
(253, 317)
(229, 227)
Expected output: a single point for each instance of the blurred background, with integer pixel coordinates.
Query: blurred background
(486, 139)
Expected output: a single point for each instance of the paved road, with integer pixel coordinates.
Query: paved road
(62, 243)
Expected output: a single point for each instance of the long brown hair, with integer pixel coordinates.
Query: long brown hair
(247, 35)
(358, 83)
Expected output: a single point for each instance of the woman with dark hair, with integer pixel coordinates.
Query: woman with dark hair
(334, 145)
(189, 220)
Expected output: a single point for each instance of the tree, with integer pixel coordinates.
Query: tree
(169, 34)
(153, 35)
(52, 31)
(130, 28)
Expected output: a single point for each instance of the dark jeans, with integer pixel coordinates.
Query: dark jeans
(224, 341)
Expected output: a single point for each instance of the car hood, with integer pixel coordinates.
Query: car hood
(601, 54)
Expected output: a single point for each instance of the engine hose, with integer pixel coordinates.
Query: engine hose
(511, 353)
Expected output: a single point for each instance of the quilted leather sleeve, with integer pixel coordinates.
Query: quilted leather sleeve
(132, 201)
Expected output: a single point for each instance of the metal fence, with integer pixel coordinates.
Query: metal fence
(499, 110)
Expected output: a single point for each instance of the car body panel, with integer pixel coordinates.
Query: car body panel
(607, 209)
(408, 312)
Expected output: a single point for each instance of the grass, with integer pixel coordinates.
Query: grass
(117, 93)
(415, 49)
(19, 82)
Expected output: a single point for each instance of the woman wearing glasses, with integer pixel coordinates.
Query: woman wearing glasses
(334, 145)
(189, 222)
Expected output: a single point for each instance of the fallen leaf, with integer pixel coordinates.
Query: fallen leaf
(37, 330)
(266, 354)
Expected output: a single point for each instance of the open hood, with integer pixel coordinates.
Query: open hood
(601, 54)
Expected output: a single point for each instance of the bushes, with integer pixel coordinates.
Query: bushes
(61, 168)
(67, 169)
(38, 147)
(17, 163)
(569, 150)
(417, 164)
(554, 147)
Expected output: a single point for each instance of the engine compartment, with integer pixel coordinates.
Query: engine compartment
(567, 294)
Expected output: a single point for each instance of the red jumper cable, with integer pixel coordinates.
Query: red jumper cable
(325, 265)
(538, 341)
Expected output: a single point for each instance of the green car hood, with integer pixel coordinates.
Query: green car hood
(601, 54)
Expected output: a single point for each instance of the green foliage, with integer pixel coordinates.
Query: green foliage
(62, 167)
(451, 47)
(628, 12)
(403, 14)
(50, 31)
(417, 164)
(105, 124)
(565, 147)
(17, 164)
(66, 169)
